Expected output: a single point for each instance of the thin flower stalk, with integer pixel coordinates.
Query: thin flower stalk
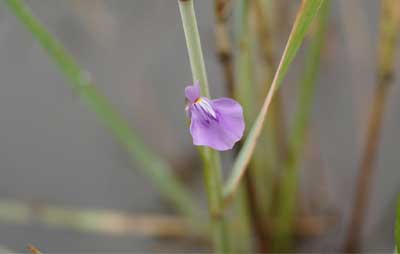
(288, 194)
(389, 33)
(211, 160)
(154, 167)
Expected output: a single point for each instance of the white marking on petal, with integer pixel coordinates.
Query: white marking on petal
(205, 105)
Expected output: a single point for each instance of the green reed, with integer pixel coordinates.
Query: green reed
(306, 14)
(211, 159)
(238, 59)
(289, 187)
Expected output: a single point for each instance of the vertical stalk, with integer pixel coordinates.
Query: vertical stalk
(259, 177)
(269, 64)
(306, 14)
(211, 160)
(240, 236)
(389, 30)
(223, 44)
(288, 194)
(245, 93)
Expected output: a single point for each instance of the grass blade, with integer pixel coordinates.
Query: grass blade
(154, 167)
(223, 43)
(245, 93)
(211, 159)
(286, 209)
(306, 14)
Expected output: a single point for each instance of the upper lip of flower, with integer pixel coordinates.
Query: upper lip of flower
(205, 108)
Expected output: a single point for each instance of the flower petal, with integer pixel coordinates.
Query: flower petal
(232, 116)
(192, 93)
(220, 134)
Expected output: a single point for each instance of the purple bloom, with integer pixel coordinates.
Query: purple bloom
(215, 123)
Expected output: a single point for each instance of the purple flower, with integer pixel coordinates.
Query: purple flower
(215, 123)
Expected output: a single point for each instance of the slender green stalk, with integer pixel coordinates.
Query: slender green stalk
(154, 167)
(389, 33)
(255, 179)
(240, 237)
(307, 87)
(288, 193)
(244, 88)
(268, 66)
(223, 43)
(193, 44)
(211, 160)
(397, 228)
(308, 10)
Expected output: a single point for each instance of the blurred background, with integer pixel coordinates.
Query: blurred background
(55, 154)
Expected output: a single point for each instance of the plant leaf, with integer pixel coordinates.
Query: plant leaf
(306, 14)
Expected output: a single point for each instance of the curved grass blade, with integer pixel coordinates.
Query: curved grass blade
(306, 14)
(154, 167)
(286, 209)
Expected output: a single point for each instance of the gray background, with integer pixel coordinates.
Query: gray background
(52, 149)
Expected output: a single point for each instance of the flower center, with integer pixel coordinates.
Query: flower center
(204, 107)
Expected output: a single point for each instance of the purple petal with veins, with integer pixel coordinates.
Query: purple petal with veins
(218, 123)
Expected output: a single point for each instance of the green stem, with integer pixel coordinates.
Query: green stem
(193, 44)
(288, 193)
(307, 87)
(223, 44)
(240, 236)
(211, 160)
(397, 227)
(152, 165)
(306, 13)
(257, 188)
